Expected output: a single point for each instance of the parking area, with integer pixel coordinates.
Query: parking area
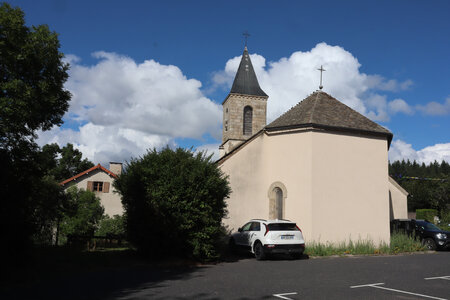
(412, 276)
(418, 276)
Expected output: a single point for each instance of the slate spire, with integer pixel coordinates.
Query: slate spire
(245, 81)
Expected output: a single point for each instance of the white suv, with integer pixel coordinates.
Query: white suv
(264, 237)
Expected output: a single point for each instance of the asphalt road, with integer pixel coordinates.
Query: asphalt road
(417, 276)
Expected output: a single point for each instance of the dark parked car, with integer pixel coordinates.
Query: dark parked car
(431, 236)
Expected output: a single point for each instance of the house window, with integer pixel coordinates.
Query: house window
(248, 116)
(98, 186)
(226, 125)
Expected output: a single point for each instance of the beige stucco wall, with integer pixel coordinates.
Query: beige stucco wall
(398, 199)
(350, 188)
(111, 201)
(248, 195)
(252, 173)
(337, 185)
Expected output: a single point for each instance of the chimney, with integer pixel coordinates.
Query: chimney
(115, 167)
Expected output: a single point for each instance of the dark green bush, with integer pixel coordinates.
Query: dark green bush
(84, 215)
(426, 214)
(114, 226)
(174, 202)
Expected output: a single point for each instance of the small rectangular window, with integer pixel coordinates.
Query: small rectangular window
(98, 186)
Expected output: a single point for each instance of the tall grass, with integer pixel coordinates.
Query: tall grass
(400, 243)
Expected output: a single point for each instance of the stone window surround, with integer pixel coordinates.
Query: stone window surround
(272, 195)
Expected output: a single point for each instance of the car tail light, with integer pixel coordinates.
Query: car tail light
(299, 228)
(267, 229)
(270, 246)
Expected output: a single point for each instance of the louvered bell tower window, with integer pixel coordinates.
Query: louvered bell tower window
(248, 116)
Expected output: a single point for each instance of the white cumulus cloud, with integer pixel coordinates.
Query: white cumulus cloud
(291, 79)
(401, 150)
(124, 108)
(400, 105)
(436, 108)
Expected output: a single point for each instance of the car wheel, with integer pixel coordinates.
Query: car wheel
(429, 243)
(296, 255)
(259, 251)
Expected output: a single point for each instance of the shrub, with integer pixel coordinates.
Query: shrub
(84, 215)
(426, 214)
(174, 202)
(111, 226)
(445, 221)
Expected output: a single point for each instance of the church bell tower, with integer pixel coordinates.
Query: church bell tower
(244, 109)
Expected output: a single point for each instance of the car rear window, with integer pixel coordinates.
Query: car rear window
(282, 227)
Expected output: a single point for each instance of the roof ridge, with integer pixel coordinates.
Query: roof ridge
(313, 109)
(98, 166)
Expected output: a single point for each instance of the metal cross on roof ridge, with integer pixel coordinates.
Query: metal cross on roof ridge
(246, 35)
(321, 71)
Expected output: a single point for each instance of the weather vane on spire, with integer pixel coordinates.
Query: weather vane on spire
(246, 35)
(321, 71)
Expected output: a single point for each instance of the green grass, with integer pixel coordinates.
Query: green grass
(400, 243)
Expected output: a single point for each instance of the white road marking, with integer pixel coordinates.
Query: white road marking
(285, 294)
(377, 286)
(441, 277)
(364, 285)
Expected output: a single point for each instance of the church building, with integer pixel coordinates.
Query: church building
(321, 164)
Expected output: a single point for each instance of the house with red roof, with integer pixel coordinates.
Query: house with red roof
(99, 179)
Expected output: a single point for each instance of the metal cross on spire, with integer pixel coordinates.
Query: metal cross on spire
(321, 71)
(246, 35)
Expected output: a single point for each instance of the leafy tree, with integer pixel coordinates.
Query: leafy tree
(114, 226)
(50, 204)
(174, 203)
(32, 75)
(84, 213)
(65, 162)
(32, 98)
(428, 185)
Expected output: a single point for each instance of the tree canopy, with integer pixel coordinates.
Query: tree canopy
(174, 202)
(428, 185)
(32, 75)
(63, 163)
(32, 97)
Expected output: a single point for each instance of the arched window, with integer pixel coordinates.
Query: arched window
(278, 203)
(277, 194)
(248, 116)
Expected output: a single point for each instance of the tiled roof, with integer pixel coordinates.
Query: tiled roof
(99, 167)
(245, 81)
(321, 110)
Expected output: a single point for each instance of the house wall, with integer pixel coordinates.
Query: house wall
(253, 173)
(288, 163)
(398, 199)
(111, 201)
(248, 191)
(349, 188)
(336, 185)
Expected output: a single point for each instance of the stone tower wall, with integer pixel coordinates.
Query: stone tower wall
(233, 115)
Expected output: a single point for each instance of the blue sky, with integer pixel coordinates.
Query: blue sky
(149, 73)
